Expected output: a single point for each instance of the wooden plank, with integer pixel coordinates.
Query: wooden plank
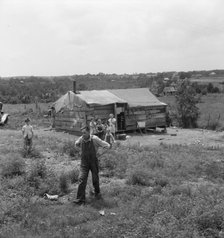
(140, 117)
(103, 107)
(136, 118)
(159, 115)
(69, 119)
(68, 127)
(131, 127)
(155, 122)
(107, 113)
(139, 112)
(73, 114)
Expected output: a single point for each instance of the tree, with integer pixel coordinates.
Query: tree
(184, 75)
(210, 88)
(187, 99)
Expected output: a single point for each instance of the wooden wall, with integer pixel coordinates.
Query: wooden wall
(153, 116)
(72, 121)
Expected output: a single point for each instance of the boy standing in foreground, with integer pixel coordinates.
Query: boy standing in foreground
(27, 131)
(89, 145)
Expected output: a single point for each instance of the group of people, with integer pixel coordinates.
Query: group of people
(105, 131)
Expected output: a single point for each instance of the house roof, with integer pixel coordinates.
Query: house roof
(134, 97)
(99, 97)
(137, 97)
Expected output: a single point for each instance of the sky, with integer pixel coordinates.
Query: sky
(67, 37)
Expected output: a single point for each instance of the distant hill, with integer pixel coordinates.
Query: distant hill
(48, 89)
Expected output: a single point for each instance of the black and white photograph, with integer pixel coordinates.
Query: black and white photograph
(111, 119)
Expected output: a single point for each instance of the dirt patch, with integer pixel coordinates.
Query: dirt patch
(179, 136)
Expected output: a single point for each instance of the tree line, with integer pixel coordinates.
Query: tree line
(15, 90)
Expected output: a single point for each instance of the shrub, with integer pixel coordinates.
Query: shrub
(37, 172)
(74, 175)
(63, 183)
(114, 163)
(13, 166)
(187, 99)
(214, 170)
(212, 219)
(34, 153)
(70, 149)
(213, 125)
(139, 177)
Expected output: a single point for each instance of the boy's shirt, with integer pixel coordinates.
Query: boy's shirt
(27, 131)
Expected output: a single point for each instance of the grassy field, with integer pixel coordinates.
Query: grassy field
(152, 190)
(211, 110)
(19, 112)
(148, 191)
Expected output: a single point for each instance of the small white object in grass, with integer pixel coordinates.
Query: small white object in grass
(101, 212)
(51, 197)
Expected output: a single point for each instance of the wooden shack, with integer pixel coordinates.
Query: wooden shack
(133, 108)
(144, 110)
(73, 110)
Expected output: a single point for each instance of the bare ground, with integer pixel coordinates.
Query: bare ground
(180, 136)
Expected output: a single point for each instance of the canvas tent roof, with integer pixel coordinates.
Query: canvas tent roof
(95, 97)
(99, 97)
(134, 97)
(69, 101)
(137, 97)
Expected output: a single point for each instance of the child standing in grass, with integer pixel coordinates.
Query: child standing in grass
(109, 137)
(27, 131)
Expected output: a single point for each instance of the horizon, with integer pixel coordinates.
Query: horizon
(47, 76)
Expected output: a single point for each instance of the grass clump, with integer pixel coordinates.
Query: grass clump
(13, 166)
(114, 163)
(37, 173)
(73, 175)
(140, 177)
(34, 153)
(70, 149)
(64, 183)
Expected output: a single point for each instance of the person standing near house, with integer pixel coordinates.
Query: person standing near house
(92, 126)
(100, 129)
(109, 137)
(112, 124)
(27, 131)
(89, 145)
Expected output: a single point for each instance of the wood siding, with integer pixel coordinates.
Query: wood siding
(153, 116)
